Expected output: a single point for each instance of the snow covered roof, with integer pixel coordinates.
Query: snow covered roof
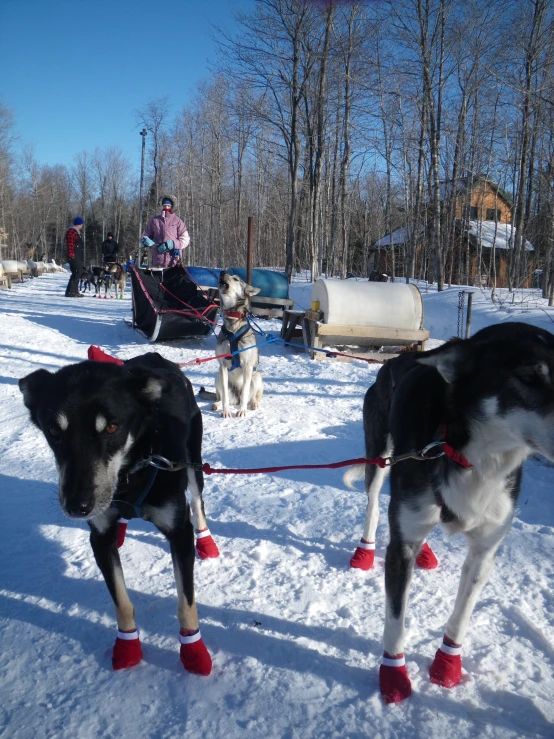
(398, 237)
(480, 231)
(484, 232)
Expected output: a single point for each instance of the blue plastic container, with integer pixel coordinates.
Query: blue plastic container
(272, 284)
(204, 276)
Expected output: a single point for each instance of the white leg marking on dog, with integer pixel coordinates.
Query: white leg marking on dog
(245, 394)
(196, 504)
(394, 635)
(187, 615)
(373, 490)
(476, 570)
(224, 378)
(124, 609)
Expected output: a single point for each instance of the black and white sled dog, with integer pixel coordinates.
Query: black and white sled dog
(237, 381)
(490, 400)
(105, 424)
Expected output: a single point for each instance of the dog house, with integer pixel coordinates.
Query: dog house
(366, 315)
(167, 304)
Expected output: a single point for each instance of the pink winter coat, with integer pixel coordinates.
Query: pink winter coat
(161, 228)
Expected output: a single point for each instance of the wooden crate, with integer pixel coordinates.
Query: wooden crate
(270, 307)
(314, 333)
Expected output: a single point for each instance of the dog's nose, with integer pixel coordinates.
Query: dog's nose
(79, 508)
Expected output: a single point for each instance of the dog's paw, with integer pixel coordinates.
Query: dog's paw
(127, 650)
(194, 655)
(446, 669)
(426, 558)
(121, 531)
(226, 414)
(254, 406)
(363, 559)
(205, 545)
(394, 682)
(241, 414)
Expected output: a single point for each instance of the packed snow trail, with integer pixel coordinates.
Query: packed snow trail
(294, 633)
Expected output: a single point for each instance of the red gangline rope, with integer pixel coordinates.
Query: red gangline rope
(207, 469)
(192, 308)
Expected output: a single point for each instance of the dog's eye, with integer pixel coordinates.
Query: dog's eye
(111, 428)
(55, 432)
(529, 375)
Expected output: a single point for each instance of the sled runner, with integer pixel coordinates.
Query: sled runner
(168, 305)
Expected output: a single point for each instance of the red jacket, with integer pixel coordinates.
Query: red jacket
(74, 243)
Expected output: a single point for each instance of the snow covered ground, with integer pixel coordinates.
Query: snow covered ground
(294, 633)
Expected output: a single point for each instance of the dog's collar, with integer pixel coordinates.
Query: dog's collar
(233, 314)
(454, 454)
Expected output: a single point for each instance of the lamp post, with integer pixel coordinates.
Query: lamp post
(143, 133)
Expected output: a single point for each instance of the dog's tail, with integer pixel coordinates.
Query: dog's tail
(354, 473)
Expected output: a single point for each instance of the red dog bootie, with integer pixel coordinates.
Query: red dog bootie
(127, 651)
(446, 669)
(96, 354)
(194, 655)
(205, 545)
(364, 556)
(121, 531)
(426, 558)
(393, 679)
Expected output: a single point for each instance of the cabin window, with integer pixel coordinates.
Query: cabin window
(470, 212)
(493, 214)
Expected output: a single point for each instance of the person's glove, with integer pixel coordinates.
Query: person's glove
(145, 241)
(166, 246)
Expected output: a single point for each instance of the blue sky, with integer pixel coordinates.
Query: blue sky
(74, 72)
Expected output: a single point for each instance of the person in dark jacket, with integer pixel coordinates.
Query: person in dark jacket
(110, 249)
(75, 257)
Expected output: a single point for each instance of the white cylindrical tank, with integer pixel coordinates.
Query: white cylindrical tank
(364, 303)
(24, 267)
(10, 265)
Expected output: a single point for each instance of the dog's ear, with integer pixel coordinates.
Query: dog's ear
(451, 360)
(250, 291)
(32, 386)
(149, 385)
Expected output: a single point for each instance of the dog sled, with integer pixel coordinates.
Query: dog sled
(167, 304)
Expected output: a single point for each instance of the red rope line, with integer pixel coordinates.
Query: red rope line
(208, 359)
(196, 312)
(207, 469)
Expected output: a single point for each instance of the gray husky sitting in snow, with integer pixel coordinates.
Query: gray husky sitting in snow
(479, 407)
(238, 381)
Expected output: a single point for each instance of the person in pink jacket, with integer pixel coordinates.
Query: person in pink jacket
(166, 235)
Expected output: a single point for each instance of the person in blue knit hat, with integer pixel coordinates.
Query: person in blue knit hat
(75, 257)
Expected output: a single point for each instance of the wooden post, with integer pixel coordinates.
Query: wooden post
(249, 250)
(469, 309)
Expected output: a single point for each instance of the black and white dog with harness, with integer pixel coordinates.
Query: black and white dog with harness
(489, 402)
(106, 423)
(238, 380)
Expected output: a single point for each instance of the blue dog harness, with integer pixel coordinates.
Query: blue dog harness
(233, 339)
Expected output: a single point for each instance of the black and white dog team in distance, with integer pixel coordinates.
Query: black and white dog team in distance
(103, 423)
(491, 399)
(238, 381)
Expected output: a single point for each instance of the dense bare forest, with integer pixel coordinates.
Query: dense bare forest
(332, 123)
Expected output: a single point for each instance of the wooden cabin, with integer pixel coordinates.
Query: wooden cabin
(483, 218)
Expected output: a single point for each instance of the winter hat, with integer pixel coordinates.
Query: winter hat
(109, 234)
(167, 201)
(78, 221)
